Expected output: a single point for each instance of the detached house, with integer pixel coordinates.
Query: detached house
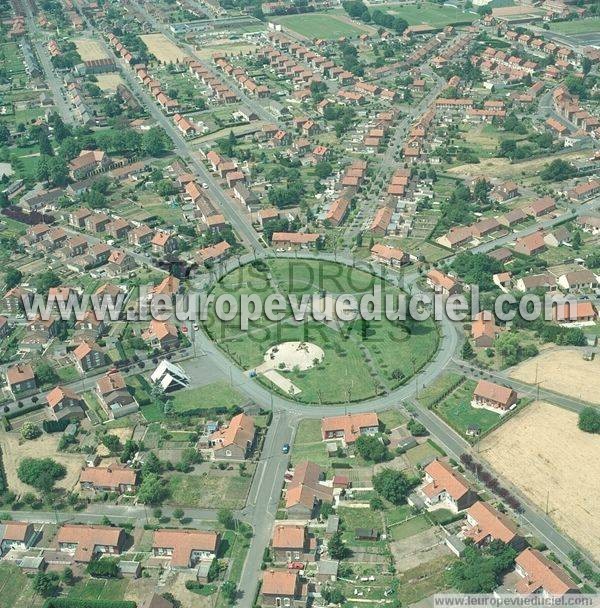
(442, 484)
(65, 403)
(234, 441)
(494, 396)
(486, 524)
(292, 543)
(20, 378)
(483, 329)
(350, 427)
(305, 492)
(164, 242)
(391, 256)
(19, 535)
(85, 542)
(442, 283)
(541, 575)
(115, 398)
(88, 355)
(162, 335)
(185, 548)
(113, 478)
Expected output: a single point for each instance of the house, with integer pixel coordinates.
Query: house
(532, 244)
(213, 254)
(443, 485)
(486, 524)
(112, 478)
(88, 162)
(85, 542)
(305, 492)
(337, 212)
(295, 240)
(169, 376)
(161, 335)
(456, 237)
(541, 206)
(234, 441)
(157, 601)
(381, 221)
(65, 403)
(291, 543)
(585, 190)
(20, 378)
(589, 223)
(391, 256)
(557, 237)
(535, 281)
(185, 548)
(88, 355)
(515, 216)
(582, 311)
(483, 329)
(349, 427)
(164, 242)
(541, 576)
(282, 589)
(115, 398)
(140, 236)
(577, 280)
(493, 396)
(505, 191)
(19, 535)
(442, 283)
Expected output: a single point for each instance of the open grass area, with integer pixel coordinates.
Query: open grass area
(214, 395)
(361, 359)
(188, 490)
(421, 453)
(436, 15)
(424, 580)
(16, 590)
(410, 527)
(457, 411)
(321, 25)
(439, 388)
(577, 26)
(99, 589)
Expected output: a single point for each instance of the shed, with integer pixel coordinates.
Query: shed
(130, 569)
(333, 523)
(202, 571)
(366, 534)
(327, 570)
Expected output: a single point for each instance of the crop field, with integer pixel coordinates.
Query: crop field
(162, 48)
(563, 371)
(323, 25)
(89, 49)
(435, 15)
(547, 439)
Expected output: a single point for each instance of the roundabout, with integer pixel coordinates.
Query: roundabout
(316, 360)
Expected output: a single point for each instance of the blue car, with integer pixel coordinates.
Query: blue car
(286, 448)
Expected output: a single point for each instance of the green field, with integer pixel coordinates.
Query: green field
(213, 395)
(410, 527)
(16, 590)
(577, 26)
(99, 589)
(435, 15)
(322, 25)
(199, 491)
(361, 359)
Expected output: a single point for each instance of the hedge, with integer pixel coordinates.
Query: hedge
(55, 426)
(64, 602)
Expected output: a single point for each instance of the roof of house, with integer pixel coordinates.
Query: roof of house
(305, 486)
(542, 573)
(441, 279)
(494, 392)
(239, 432)
(20, 372)
(445, 478)
(86, 537)
(183, 542)
(111, 476)
(58, 393)
(490, 523)
(112, 381)
(387, 252)
(288, 536)
(350, 424)
(279, 582)
(16, 530)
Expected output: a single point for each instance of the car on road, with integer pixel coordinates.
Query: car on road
(205, 185)
(285, 448)
(196, 327)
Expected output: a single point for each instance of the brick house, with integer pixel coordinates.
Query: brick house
(349, 427)
(282, 589)
(494, 396)
(443, 485)
(234, 441)
(185, 548)
(112, 478)
(20, 378)
(88, 355)
(65, 403)
(85, 542)
(292, 543)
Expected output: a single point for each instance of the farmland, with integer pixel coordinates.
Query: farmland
(162, 48)
(548, 440)
(325, 26)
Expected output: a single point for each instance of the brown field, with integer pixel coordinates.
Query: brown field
(547, 439)
(109, 82)
(563, 371)
(14, 449)
(233, 47)
(89, 49)
(162, 48)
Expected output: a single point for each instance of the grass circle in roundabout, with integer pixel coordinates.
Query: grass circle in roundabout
(319, 362)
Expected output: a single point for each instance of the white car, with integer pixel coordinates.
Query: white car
(205, 185)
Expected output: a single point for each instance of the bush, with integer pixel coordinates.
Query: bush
(64, 602)
(104, 568)
(55, 426)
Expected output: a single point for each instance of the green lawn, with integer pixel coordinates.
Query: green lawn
(439, 388)
(426, 579)
(391, 419)
(319, 25)
(457, 411)
(577, 26)
(214, 395)
(15, 589)
(421, 452)
(409, 528)
(99, 589)
(435, 15)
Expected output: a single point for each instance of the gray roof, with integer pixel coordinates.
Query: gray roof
(129, 567)
(333, 523)
(328, 567)
(33, 562)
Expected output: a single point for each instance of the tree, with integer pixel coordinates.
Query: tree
(393, 485)
(577, 240)
(229, 591)
(154, 142)
(111, 443)
(178, 514)
(589, 420)
(376, 503)
(371, 448)
(332, 595)
(152, 490)
(152, 465)
(336, 547)
(67, 576)
(416, 428)
(45, 373)
(558, 170)
(226, 519)
(45, 280)
(4, 134)
(323, 169)
(467, 351)
(40, 473)
(104, 568)
(46, 583)
(30, 431)
(12, 277)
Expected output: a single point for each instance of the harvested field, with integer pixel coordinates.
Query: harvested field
(89, 49)
(14, 449)
(109, 82)
(546, 437)
(162, 48)
(564, 371)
